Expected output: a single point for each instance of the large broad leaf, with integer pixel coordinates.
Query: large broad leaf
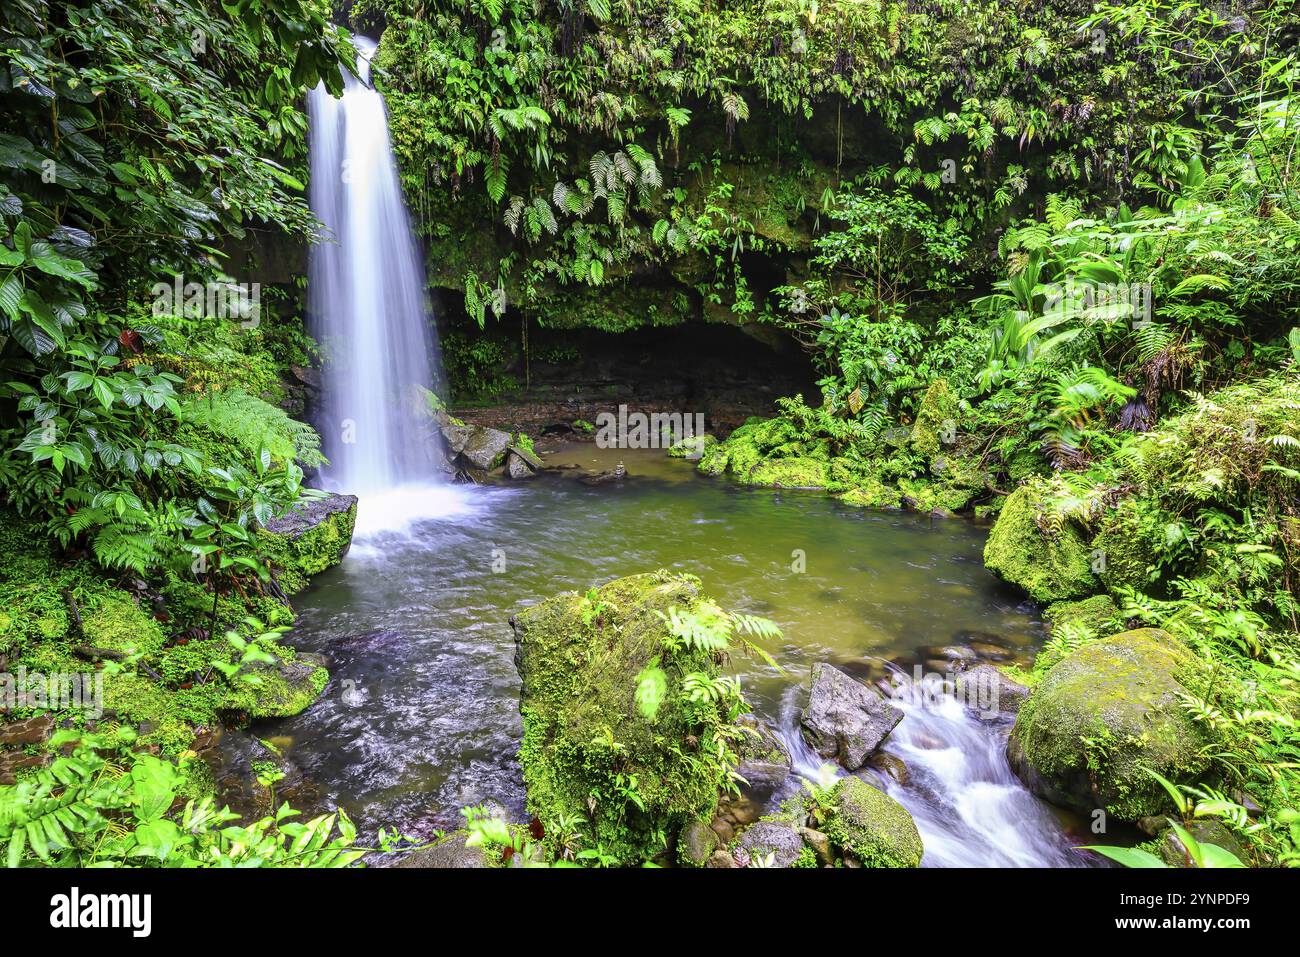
(1129, 856)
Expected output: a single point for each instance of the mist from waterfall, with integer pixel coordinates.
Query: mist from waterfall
(366, 298)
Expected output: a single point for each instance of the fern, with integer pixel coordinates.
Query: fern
(252, 424)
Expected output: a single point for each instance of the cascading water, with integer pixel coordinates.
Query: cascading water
(366, 298)
(968, 805)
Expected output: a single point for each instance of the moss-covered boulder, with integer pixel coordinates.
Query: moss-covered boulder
(935, 420)
(1051, 564)
(589, 751)
(1097, 614)
(872, 493)
(872, 827)
(796, 472)
(309, 539)
(1103, 715)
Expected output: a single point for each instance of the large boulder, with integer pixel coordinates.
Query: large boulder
(1105, 714)
(590, 752)
(846, 719)
(309, 538)
(1049, 565)
(868, 826)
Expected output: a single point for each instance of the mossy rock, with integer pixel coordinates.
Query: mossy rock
(282, 690)
(788, 473)
(309, 539)
(872, 494)
(1099, 614)
(871, 826)
(588, 751)
(1125, 547)
(693, 448)
(714, 460)
(1050, 567)
(116, 623)
(1103, 715)
(936, 415)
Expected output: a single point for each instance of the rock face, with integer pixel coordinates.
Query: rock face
(769, 844)
(872, 828)
(845, 719)
(1103, 714)
(579, 658)
(309, 539)
(1048, 567)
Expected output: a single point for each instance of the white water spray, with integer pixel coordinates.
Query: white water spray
(366, 298)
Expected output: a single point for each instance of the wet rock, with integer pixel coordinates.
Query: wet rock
(723, 828)
(820, 844)
(844, 718)
(869, 827)
(310, 538)
(769, 844)
(721, 859)
(1128, 691)
(989, 693)
(990, 652)
(13, 762)
(764, 761)
(235, 760)
(889, 764)
(695, 844)
(950, 653)
(520, 463)
(35, 730)
(616, 474)
(1203, 831)
(450, 852)
(485, 448)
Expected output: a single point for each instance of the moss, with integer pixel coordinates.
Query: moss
(116, 622)
(1106, 713)
(937, 412)
(1126, 547)
(788, 473)
(297, 557)
(715, 459)
(872, 826)
(1050, 567)
(588, 753)
(925, 496)
(692, 448)
(1098, 614)
(872, 494)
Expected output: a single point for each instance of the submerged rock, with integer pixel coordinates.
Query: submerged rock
(870, 827)
(310, 538)
(238, 763)
(616, 474)
(1102, 716)
(846, 719)
(1050, 567)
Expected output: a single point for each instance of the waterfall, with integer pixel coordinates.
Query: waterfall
(366, 297)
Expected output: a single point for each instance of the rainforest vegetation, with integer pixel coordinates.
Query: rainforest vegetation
(1043, 257)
